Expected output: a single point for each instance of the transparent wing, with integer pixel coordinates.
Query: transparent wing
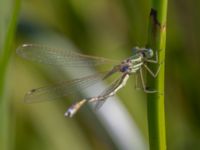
(52, 56)
(106, 93)
(61, 89)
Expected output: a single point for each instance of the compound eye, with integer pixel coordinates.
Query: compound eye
(150, 53)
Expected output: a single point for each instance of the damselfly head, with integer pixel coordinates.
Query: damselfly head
(147, 52)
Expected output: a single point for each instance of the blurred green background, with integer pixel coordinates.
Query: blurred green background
(108, 28)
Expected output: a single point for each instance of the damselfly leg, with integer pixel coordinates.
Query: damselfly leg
(151, 72)
(145, 88)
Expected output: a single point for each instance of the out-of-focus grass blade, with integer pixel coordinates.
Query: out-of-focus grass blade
(8, 17)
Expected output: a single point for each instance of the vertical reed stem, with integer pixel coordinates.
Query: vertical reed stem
(155, 102)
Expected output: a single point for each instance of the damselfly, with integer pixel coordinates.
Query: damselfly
(127, 67)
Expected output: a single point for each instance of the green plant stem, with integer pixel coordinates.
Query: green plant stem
(155, 102)
(4, 61)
